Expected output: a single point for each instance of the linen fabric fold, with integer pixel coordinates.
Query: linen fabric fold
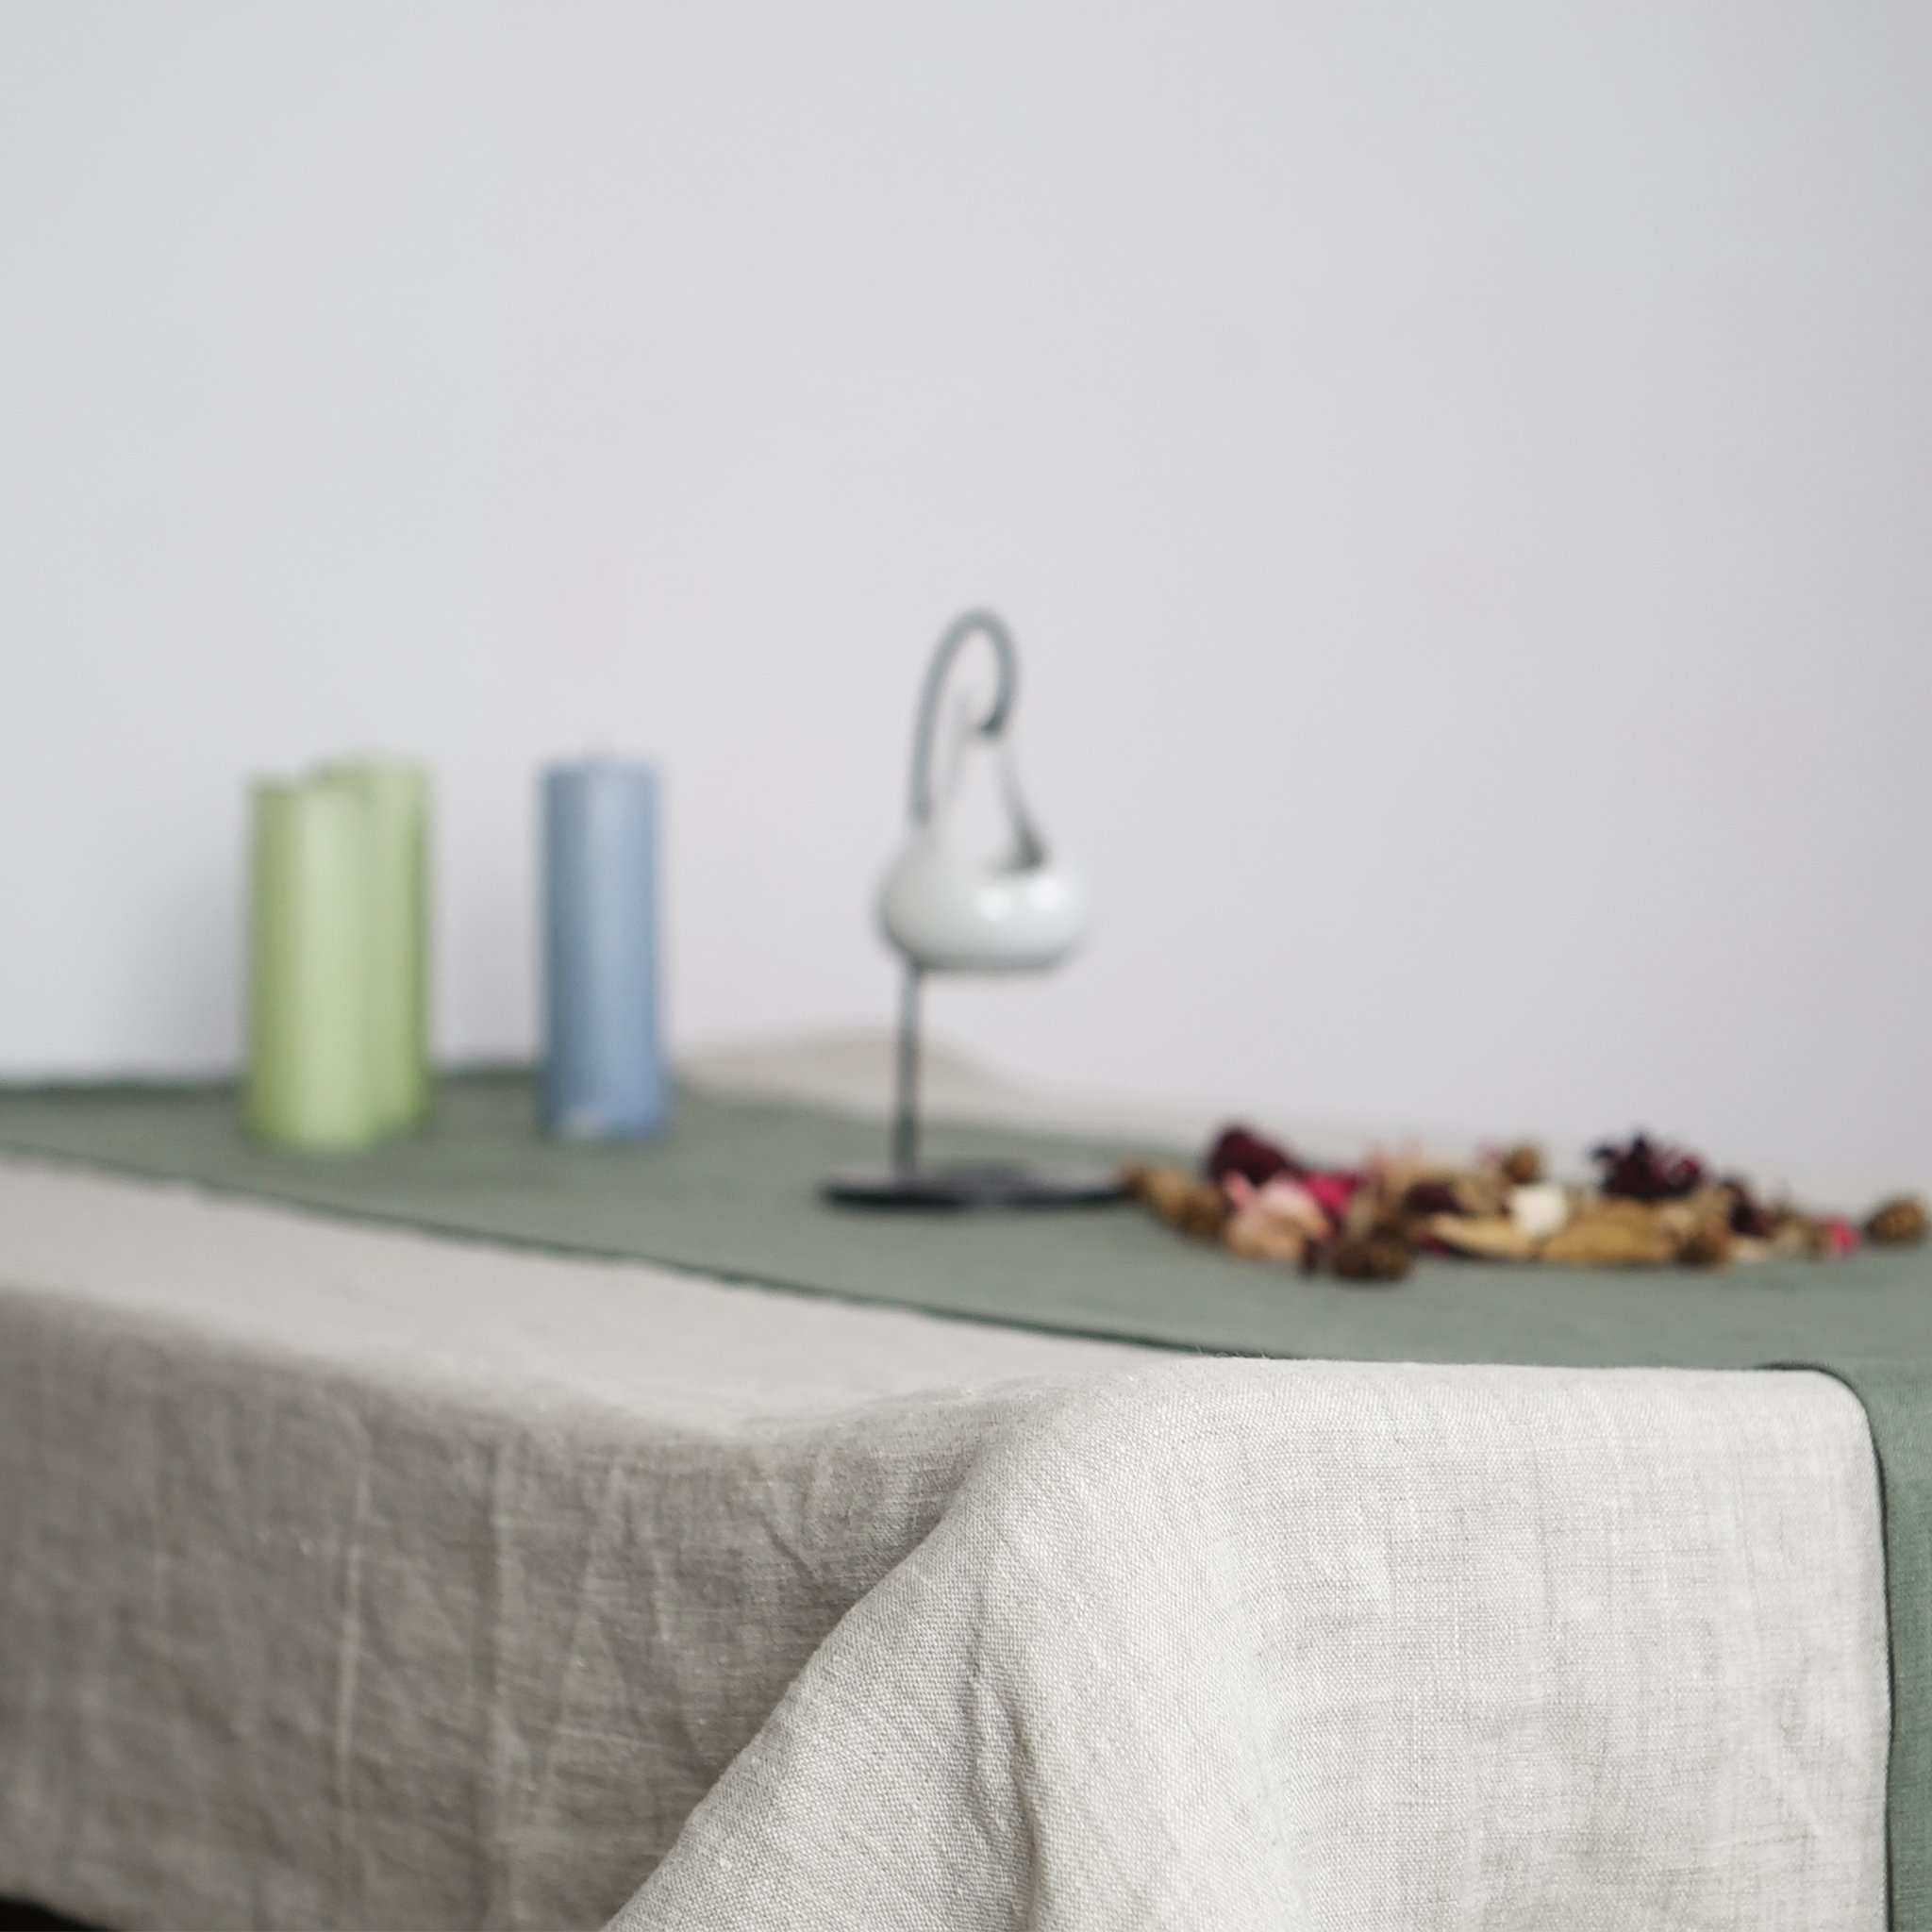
(1226, 1647)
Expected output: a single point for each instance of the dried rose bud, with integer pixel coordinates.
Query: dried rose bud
(1523, 1164)
(1369, 1257)
(1181, 1199)
(1708, 1245)
(1898, 1222)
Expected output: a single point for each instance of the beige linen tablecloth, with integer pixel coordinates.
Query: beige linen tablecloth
(353, 1578)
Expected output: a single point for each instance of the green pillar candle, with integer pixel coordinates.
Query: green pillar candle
(395, 804)
(309, 1040)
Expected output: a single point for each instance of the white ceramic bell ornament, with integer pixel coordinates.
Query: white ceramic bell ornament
(951, 912)
(954, 903)
(960, 898)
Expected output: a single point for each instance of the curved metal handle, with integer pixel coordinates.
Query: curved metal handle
(973, 622)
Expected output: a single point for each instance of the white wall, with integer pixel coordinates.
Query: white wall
(1460, 476)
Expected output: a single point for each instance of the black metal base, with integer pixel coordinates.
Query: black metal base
(1007, 1183)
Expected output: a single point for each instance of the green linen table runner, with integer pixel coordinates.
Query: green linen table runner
(1897, 1396)
(733, 1192)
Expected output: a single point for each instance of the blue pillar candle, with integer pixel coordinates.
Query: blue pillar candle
(603, 1065)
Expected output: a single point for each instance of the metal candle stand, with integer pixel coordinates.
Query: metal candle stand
(945, 912)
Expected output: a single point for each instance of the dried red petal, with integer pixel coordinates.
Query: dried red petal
(1239, 1151)
(1332, 1191)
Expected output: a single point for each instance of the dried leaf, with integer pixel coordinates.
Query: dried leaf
(1494, 1237)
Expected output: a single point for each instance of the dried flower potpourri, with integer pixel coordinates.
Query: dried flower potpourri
(1653, 1206)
